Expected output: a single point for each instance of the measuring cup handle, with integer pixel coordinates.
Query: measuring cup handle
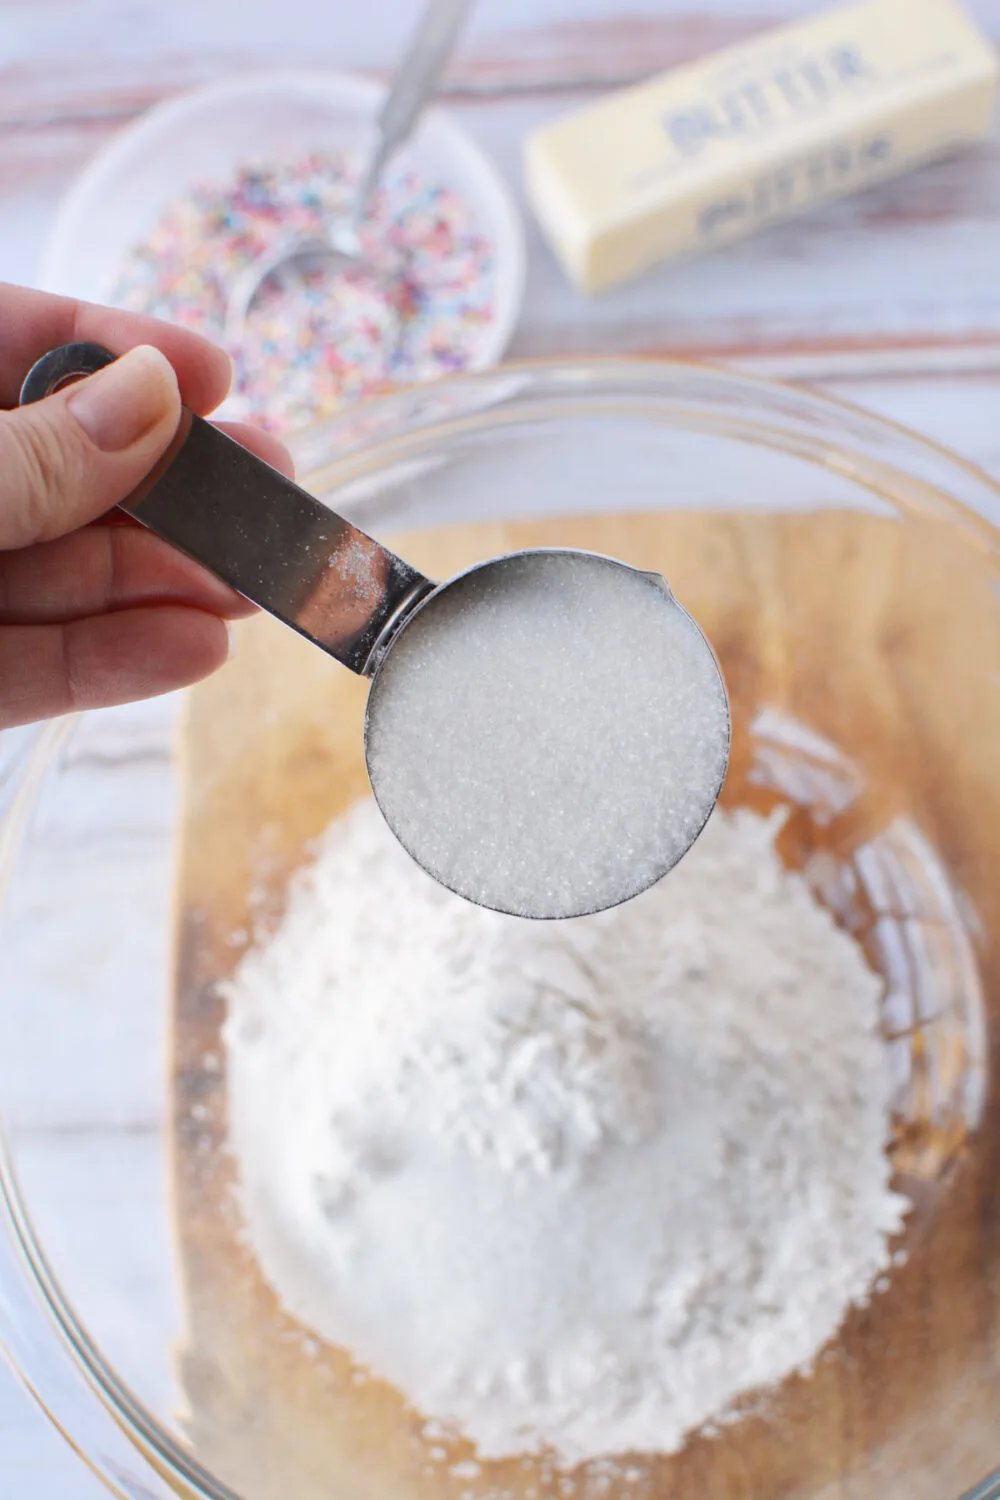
(265, 536)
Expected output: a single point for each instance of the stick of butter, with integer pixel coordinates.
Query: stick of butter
(707, 153)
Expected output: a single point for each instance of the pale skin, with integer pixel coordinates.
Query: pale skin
(94, 610)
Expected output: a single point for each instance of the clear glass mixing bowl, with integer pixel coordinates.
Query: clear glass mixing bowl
(851, 587)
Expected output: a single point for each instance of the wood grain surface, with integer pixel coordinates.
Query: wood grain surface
(813, 617)
(904, 274)
(891, 298)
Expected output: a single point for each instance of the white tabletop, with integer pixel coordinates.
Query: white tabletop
(891, 299)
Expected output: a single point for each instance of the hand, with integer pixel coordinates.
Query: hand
(95, 610)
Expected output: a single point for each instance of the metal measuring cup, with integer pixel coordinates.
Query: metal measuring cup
(355, 599)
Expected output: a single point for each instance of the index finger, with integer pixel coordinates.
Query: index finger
(32, 323)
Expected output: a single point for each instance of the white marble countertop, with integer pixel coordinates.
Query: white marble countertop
(891, 300)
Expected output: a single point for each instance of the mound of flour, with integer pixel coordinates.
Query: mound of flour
(570, 1186)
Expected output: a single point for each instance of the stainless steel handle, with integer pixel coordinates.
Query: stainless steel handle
(265, 536)
(416, 80)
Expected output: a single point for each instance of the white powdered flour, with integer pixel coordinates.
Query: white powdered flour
(572, 1186)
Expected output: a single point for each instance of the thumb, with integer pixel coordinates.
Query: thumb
(71, 457)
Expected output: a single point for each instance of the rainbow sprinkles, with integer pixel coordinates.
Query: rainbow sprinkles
(315, 340)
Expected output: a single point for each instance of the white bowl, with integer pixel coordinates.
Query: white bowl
(210, 132)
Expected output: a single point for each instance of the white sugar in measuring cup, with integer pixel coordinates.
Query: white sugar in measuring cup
(546, 733)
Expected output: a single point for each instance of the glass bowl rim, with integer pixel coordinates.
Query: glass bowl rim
(47, 1343)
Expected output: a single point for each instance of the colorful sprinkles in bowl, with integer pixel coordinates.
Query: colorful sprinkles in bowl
(316, 339)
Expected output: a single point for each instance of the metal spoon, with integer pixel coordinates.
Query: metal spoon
(346, 593)
(339, 249)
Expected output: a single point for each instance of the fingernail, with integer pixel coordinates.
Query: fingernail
(118, 406)
(233, 640)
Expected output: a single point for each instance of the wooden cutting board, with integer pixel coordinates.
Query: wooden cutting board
(882, 638)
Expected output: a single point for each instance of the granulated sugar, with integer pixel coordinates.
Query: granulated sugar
(550, 735)
(570, 1186)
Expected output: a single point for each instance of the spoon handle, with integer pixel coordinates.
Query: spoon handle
(415, 81)
(265, 536)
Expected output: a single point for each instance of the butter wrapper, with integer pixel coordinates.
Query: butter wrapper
(708, 153)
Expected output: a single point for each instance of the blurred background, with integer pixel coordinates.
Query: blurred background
(890, 299)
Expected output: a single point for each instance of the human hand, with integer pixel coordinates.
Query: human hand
(94, 609)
